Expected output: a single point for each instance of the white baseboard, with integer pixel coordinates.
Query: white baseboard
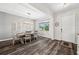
(5, 39)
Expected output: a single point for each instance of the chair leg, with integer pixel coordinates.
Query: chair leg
(35, 38)
(22, 41)
(30, 40)
(13, 42)
(25, 41)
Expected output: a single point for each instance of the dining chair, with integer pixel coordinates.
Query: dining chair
(35, 35)
(17, 37)
(27, 37)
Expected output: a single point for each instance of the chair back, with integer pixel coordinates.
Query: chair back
(27, 32)
(35, 34)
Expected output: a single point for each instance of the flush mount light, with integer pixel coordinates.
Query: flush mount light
(65, 4)
(62, 5)
(28, 13)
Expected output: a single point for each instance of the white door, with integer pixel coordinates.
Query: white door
(58, 35)
(68, 27)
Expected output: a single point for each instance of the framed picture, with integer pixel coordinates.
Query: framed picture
(44, 26)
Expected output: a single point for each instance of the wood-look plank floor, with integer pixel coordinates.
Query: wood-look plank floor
(41, 46)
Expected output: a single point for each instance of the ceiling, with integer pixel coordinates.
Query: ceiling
(59, 7)
(36, 10)
(21, 9)
(55, 7)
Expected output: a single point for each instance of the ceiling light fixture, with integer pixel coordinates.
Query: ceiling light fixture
(65, 4)
(62, 5)
(29, 13)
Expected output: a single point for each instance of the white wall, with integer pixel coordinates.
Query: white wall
(57, 18)
(77, 30)
(11, 24)
(77, 21)
(71, 15)
(77, 26)
(48, 34)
